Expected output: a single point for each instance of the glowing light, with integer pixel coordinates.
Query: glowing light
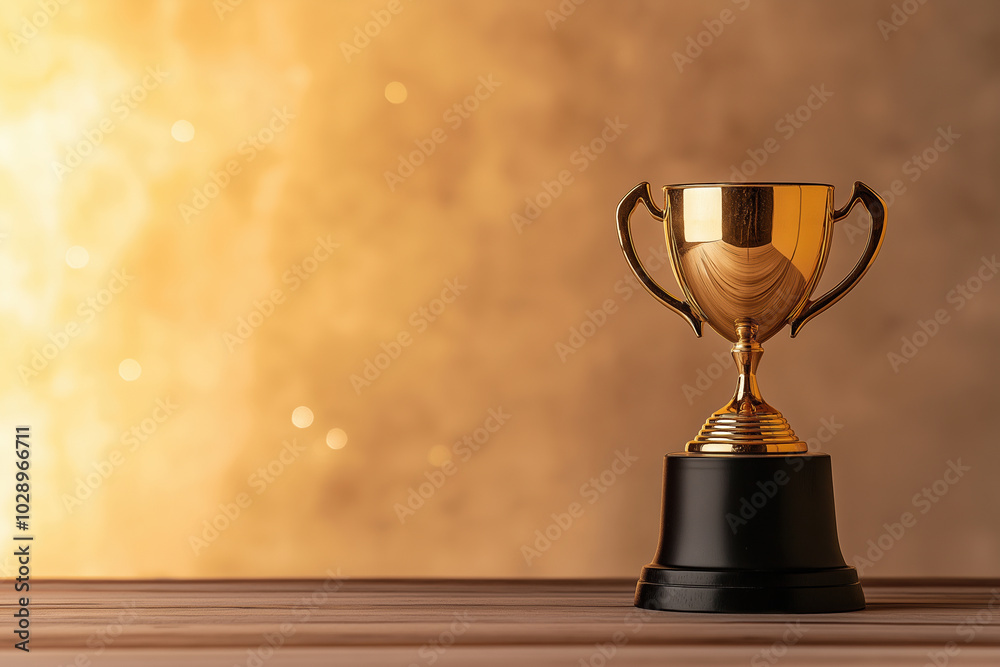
(129, 369)
(182, 131)
(302, 416)
(336, 438)
(395, 92)
(77, 257)
(702, 214)
(438, 455)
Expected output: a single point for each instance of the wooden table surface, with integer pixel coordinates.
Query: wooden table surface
(420, 623)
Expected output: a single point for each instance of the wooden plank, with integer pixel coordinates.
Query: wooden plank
(485, 622)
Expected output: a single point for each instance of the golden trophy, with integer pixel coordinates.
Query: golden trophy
(748, 521)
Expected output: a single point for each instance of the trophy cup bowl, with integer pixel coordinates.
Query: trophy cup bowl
(748, 521)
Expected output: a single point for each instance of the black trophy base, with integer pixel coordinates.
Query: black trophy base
(749, 534)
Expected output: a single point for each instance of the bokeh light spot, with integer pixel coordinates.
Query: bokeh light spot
(182, 131)
(302, 416)
(129, 369)
(336, 438)
(77, 257)
(395, 92)
(438, 455)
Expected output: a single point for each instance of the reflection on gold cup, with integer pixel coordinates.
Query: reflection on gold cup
(747, 258)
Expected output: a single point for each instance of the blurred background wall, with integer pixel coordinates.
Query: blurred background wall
(290, 286)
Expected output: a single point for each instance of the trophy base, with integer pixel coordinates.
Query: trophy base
(735, 592)
(749, 534)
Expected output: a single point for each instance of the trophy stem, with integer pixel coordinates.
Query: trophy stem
(747, 353)
(747, 424)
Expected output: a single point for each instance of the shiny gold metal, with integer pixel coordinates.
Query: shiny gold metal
(747, 257)
(747, 424)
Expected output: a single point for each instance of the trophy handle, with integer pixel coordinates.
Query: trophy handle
(876, 211)
(641, 193)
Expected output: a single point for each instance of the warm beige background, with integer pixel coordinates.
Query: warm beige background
(495, 345)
